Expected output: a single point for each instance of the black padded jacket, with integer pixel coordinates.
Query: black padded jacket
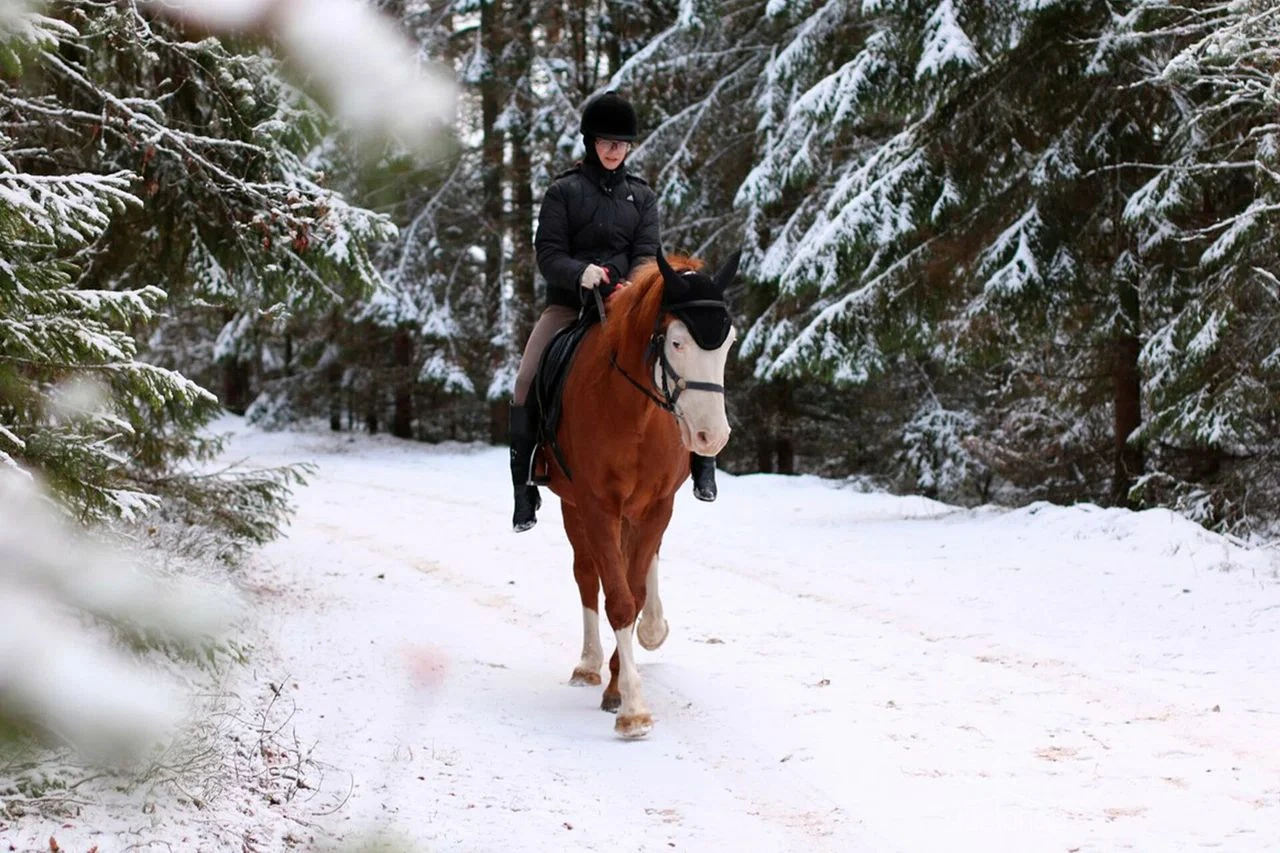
(593, 216)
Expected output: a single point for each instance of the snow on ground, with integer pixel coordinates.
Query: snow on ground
(845, 671)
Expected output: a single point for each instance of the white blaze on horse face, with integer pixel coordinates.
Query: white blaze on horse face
(704, 426)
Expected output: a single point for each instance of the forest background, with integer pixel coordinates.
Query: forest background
(994, 252)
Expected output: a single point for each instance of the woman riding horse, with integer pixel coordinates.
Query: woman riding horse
(598, 223)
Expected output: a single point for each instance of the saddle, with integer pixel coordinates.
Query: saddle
(548, 391)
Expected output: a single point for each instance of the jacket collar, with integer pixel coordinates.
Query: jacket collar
(603, 178)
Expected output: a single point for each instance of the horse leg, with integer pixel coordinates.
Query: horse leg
(653, 629)
(587, 672)
(634, 719)
(611, 701)
(646, 544)
(604, 533)
(641, 544)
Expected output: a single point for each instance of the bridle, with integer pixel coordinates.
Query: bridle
(673, 384)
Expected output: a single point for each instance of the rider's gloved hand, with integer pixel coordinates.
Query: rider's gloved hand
(593, 276)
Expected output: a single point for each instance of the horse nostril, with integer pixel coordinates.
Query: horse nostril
(703, 436)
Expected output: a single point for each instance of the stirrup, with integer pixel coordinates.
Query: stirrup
(539, 468)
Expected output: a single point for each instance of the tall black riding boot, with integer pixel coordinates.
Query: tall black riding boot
(703, 469)
(524, 441)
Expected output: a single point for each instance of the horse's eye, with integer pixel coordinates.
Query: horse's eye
(677, 345)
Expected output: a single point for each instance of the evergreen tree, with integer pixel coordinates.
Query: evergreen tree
(193, 185)
(921, 217)
(1205, 225)
(237, 221)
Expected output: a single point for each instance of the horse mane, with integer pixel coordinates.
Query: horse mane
(638, 305)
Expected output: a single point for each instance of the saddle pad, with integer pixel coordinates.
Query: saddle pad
(548, 383)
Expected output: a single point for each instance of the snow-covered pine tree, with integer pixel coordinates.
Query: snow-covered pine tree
(943, 194)
(527, 83)
(693, 81)
(64, 350)
(1206, 223)
(225, 215)
(236, 222)
(431, 354)
(74, 398)
(411, 356)
(839, 208)
(76, 409)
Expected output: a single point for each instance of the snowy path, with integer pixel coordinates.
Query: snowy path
(845, 672)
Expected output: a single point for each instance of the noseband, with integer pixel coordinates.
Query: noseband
(673, 385)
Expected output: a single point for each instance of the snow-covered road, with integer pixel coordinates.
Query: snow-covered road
(845, 672)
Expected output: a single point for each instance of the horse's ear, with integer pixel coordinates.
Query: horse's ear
(724, 277)
(675, 284)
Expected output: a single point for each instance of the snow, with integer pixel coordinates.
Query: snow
(1021, 270)
(846, 671)
(945, 43)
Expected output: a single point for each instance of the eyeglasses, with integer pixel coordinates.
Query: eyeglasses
(609, 146)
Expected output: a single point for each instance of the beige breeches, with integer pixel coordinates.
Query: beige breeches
(553, 319)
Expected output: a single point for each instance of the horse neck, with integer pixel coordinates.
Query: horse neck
(631, 327)
(627, 344)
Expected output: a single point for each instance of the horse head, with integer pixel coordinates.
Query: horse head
(692, 348)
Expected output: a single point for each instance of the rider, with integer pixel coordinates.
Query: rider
(597, 225)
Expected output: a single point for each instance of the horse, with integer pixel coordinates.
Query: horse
(645, 388)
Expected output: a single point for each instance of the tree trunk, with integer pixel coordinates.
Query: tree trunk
(371, 412)
(499, 422)
(235, 386)
(1126, 382)
(333, 378)
(764, 454)
(492, 95)
(333, 373)
(577, 21)
(520, 54)
(786, 455)
(402, 413)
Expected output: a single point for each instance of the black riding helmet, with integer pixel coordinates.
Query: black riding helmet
(609, 116)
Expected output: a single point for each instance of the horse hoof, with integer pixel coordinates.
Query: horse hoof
(611, 702)
(651, 637)
(633, 726)
(585, 678)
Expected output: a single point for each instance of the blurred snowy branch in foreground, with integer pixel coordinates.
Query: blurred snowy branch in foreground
(84, 631)
(366, 71)
(57, 675)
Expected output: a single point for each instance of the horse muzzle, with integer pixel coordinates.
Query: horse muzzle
(703, 433)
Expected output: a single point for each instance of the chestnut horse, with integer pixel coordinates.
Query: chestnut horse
(646, 388)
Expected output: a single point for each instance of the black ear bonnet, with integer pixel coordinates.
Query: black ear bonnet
(698, 300)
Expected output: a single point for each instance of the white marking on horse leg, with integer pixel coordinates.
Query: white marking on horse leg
(653, 628)
(633, 717)
(588, 668)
